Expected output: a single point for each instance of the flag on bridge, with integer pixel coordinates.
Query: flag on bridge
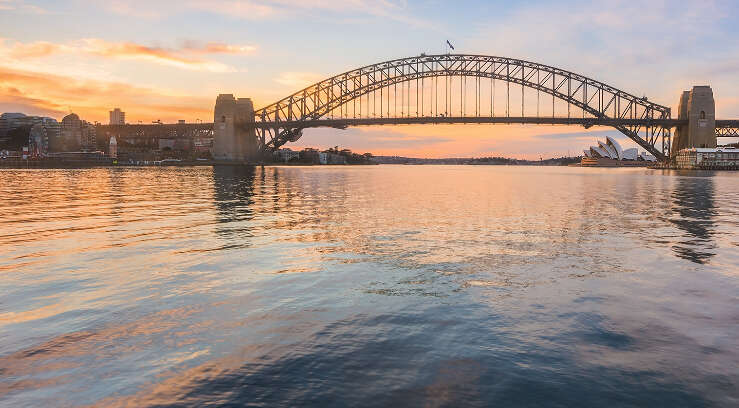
(449, 44)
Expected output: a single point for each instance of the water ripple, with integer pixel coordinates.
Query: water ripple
(370, 286)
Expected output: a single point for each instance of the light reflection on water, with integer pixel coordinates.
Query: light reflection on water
(376, 286)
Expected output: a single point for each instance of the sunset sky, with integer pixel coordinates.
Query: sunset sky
(168, 60)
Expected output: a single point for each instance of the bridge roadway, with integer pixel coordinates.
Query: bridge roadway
(586, 122)
(724, 128)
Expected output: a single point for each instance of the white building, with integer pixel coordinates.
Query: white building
(610, 151)
(113, 148)
(708, 158)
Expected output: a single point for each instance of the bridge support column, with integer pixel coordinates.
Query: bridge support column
(698, 107)
(234, 131)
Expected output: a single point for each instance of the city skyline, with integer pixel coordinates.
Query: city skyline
(62, 56)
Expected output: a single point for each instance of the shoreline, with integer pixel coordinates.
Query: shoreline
(61, 165)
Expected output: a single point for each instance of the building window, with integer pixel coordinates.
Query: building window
(703, 114)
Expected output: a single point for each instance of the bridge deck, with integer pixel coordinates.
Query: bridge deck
(724, 127)
(587, 122)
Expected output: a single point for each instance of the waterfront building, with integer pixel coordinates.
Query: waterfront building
(310, 155)
(89, 137)
(71, 134)
(716, 158)
(286, 155)
(8, 122)
(38, 141)
(179, 144)
(203, 144)
(77, 134)
(117, 117)
(46, 129)
(53, 132)
(167, 144)
(333, 158)
(610, 153)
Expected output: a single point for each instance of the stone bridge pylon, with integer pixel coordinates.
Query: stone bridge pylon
(233, 130)
(698, 108)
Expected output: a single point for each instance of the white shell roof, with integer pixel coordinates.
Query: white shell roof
(612, 142)
(600, 151)
(609, 150)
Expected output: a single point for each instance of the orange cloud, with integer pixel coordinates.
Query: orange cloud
(34, 50)
(182, 58)
(153, 54)
(218, 48)
(55, 95)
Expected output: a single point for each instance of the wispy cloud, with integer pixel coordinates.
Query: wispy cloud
(297, 80)
(186, 57)
(266, 9)
(217, 48)
(644, 48)
(156, 55)
(30, 50)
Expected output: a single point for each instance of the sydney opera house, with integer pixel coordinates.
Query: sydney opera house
(610, 153)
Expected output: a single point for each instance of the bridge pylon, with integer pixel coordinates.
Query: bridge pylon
(698, 108)
(234, 131)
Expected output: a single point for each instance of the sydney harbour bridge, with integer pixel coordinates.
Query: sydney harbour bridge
(462, 89)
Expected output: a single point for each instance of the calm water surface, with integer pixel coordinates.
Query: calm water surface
(369, 286)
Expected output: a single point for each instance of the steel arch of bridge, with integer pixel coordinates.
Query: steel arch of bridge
(283, 121)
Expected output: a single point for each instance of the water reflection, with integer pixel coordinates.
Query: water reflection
(693, 199)
(234, 192)
(377, 285)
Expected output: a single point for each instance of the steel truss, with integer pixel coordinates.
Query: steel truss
(727, 128)
(636, 117)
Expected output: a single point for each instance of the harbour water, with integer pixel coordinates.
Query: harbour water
(369, 286)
